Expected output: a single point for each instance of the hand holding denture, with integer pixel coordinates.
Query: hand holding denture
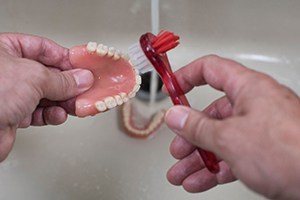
(38, 85)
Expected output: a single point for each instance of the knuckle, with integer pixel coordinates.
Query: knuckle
(262, 81)
(210, 59)
(66, 82)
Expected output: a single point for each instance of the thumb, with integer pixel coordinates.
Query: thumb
(194, 126)
(67, 84)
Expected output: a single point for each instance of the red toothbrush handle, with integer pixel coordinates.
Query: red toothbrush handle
(160, 62)
(179, 98)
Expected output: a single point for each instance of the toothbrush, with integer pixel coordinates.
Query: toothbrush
(150, 53)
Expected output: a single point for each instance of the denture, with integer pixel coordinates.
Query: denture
(115, 78)
(138, 129)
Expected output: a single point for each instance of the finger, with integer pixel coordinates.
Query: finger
(68, 105)
(54, 115)
(222, 74)
(37, 48)
(203, 180)
(7, 139)
(219, 109)
(49, 116)
(25, 123)
(67, 84)
(181, 148)
(198, 129)
(184, 168)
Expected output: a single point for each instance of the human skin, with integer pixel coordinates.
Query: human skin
(254, 130)
(38, 85)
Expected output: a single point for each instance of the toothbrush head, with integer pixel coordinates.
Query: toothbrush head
(155, 49)
(151, 51)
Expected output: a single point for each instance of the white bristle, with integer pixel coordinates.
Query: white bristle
(139, 59)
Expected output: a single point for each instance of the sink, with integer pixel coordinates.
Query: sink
(92, 158)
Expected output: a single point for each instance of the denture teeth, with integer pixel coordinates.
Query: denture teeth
(117, 55)
(126, 113)
(91, 47)
(135, 90)
(138, 79)
(102, 50)
(131, 94)
(100, 105)
(111, 51)
(132, 129)
(118, 100)
(124, 97)
(125, 56)
(110, 102)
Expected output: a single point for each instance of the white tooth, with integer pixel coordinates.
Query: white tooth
(91, 47)
(117, 55)
(100, 105)
(127, 111)
(143, 132)
(124, 97)
(102, 50)
(134, 91)
(111, 51)
(131, 94)
(138, 79)
(136, 87)
(138, 132)
(118, 100)
(136, 71)
(126, 117)
(110, 102)
(152, 125)
(125, 56)
(158, 118)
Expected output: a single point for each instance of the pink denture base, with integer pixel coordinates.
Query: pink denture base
(111, 77)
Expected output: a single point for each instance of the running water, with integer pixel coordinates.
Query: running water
(155, 30)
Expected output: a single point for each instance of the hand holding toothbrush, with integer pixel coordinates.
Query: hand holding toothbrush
(149, 54)
(254, 129)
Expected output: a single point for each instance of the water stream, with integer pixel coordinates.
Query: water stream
(155, 30)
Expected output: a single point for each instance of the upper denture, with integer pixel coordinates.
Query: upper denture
(116, 79)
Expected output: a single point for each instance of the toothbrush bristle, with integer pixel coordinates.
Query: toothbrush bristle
(139, 59)
(165, 41)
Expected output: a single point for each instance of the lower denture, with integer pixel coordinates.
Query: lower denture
(115, 79)
(139, 130)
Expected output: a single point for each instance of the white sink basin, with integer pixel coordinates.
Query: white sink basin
(92, 158)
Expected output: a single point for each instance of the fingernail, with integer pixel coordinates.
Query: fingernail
(84, 79)
(176, 117)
